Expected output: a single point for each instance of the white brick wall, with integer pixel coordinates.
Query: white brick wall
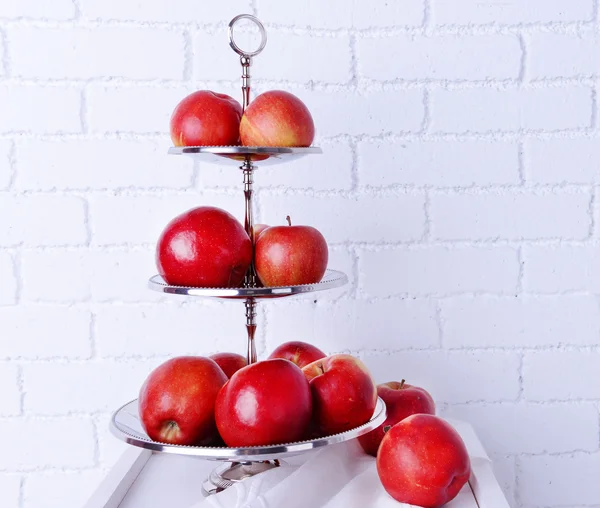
(40, 109)
(69, 490)
(548, 479)
(341, 14)
(511, 215)
(424, 271)
(27, 449)
(37, 9)
(458, 190)
(581, 419)
(442, 57)
(484, 110)
(512, 12)
(130, 53)
(10, 486)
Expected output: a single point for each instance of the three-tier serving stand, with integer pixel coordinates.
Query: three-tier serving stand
(241, 462)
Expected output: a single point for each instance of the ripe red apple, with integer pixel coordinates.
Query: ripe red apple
(290, 255)
(177, 401)
(401, 400)
(265, 403)
(423, 461)
(230, 363)
(300, 353)
(344, 393)
(204, 247)
(277, 118)
(206, 118)
(258, 229)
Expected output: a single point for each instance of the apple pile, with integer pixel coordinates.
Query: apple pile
(298, 392)
(301, 393)
(274, 118)
(208, 247)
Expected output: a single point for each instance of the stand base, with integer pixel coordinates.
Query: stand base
(231, 473)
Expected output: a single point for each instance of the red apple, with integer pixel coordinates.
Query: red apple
(290, 255)
(277, 118)
(344, 393)
(401, 400)
(206, 118)
(300, 353)
(264, 403)
(177, 401)
(423, 461)
(204, 247)
(258, 229)
(230, 363)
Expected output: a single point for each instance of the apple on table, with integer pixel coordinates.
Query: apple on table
(423, 461)
(401, 401)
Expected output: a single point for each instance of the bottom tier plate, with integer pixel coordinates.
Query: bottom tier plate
(126, 425)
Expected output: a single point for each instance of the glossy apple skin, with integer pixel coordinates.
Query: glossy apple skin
(265, 403)
(290, 256)
(206, 118)
(230, 363)
(204, 247)
(277, 118)
(423, 461)
(177, 401)
(344, 393)
(300, 353)
(401, 401)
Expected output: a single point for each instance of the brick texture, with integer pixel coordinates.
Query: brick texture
(458, 188)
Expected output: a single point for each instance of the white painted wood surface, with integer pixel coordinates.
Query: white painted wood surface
(141, 479)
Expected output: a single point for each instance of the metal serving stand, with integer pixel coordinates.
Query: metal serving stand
(241, 462)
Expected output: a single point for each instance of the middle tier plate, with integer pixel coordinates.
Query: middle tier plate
(332, 279)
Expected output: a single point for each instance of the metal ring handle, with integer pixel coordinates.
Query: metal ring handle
(261, 29)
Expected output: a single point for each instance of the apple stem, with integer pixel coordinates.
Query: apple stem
(289, 220)
(386, 428)
(402, 383)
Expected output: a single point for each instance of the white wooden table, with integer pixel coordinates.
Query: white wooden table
(142, 479)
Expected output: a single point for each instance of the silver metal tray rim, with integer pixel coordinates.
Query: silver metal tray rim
(246, 150)
(124, 432)
(332, 279)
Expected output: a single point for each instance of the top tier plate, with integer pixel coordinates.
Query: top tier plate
(234, 155)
